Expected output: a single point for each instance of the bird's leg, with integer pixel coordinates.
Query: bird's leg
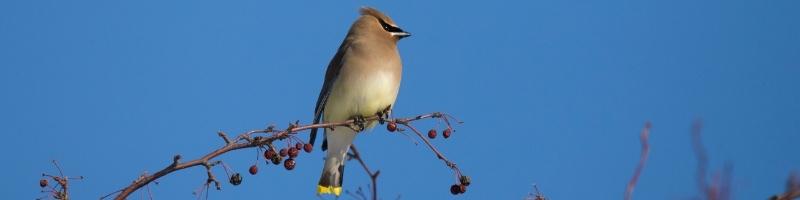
(383, 115)
(359, 123)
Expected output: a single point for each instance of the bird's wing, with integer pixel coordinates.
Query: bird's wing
(330, 76)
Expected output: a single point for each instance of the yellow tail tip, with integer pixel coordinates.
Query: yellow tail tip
(329, 190)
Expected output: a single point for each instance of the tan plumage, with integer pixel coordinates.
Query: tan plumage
(362, 79)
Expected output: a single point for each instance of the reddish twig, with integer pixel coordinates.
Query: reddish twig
(700, 152)
(792, 188)
(642, 160)
(535, 195)
(61, 189)
(245, 140)
(719, 189)
(354, 154)
(438, 153)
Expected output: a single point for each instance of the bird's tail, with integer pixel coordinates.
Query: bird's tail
(339, 141)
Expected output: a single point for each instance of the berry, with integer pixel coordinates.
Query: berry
(277, 160)
(293, 152)
(432, 133)
(298, 145)
(308, 148)
(253, 170)
(284, 152)
(391, 127)
(236, 179)
(446, 133)
(455, 189)
(289, 164)
(43, 183)
(269, 154)
(462, 189)
(465, 180)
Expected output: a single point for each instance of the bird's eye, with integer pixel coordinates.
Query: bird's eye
(389, 28)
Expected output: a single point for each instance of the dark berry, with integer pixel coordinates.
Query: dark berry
(253, 170)
(43, 183)
(293, 152)
(455, 189)
(391, 127)
(269, 154)
(277, 160)
(446, 133)
(289, 164)
(284, 152)
(298, 145)
(432, 133)
(236, 179)
(308, 148)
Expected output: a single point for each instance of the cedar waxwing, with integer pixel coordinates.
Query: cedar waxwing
(362, 79)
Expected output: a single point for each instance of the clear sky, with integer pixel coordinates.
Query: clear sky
(552, 92)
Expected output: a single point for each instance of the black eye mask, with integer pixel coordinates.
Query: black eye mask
(390, 28)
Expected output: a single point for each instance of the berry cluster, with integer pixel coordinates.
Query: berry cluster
(292, 151)
(461, 187)
(445, 133)
(285, 155)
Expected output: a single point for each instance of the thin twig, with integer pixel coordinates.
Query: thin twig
(438, 153)
(702, 158)
(643, 137)
(372, 176)
(792, 188)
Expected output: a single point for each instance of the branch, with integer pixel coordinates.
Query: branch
(354, 154)
(792, 189)
(245, 140)
(642, 160)
(719, 188)
(462, 180)
(61, 189)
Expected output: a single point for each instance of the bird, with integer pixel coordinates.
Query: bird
(362, 79)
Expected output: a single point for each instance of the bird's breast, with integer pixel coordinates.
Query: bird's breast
(362, 91)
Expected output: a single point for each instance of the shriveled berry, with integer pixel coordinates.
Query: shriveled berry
(236, 179)
(253, 170)
(432, 133)
(465, 180)
(43, 183)
(293, 152)
(455, 189)
(298, 145)
(391, 126)
(462, 189)
(308, 147)
(277, 160)
(289, 164)
(284, 152)
(269, 154)
(446, 133)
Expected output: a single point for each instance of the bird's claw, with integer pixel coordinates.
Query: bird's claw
(359, 123)
(383, 115)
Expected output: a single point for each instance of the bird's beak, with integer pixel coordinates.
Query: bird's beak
(401, 34)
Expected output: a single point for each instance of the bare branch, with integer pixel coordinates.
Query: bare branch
(792, 188)
(245, 140)
(373, 176)
(644, 136)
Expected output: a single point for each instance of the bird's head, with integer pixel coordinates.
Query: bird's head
(376, 23)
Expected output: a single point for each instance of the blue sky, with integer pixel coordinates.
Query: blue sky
(552, 92)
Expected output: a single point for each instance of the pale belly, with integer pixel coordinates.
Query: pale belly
(365, 96)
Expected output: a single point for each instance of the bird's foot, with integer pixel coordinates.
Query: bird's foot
(359, 123)
(383, 115)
